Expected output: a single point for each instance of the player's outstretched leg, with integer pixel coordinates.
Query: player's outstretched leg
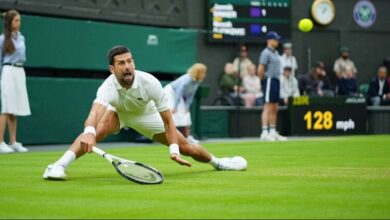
(107, 125)
(199, 153)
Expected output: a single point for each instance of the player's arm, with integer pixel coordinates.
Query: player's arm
(172, 137)
(260, 71)
(88, 139)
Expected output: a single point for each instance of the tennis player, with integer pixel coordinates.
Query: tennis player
(132, 98)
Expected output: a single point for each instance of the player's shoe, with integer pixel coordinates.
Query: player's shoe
(192, 140)
(18, 147)
(233, 163)
(277, 136)
(54, 172)
(267, 137)
(5, 149)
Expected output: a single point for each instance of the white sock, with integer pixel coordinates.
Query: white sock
(272, 129)
(265, 129)
(214, 161)
(66, 159)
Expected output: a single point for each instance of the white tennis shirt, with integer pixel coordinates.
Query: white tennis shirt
(146, 95)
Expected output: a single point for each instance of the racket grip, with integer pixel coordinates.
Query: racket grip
(98, 151)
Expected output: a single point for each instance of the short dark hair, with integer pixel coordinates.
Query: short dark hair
(116, 50)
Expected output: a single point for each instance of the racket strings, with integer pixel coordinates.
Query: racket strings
(137, 171)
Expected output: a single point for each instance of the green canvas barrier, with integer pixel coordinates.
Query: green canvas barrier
(81, 44)
(59, 107)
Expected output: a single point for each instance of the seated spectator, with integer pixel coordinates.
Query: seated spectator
(378, 91)
(288, 59)
(251, 82)
(316, 83)
(347, 83)
(230, 84)
(242, 62)
(343, 61)
(288, 86)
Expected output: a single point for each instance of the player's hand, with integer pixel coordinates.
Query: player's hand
(180, 161)
(174, 110)
(87, 142)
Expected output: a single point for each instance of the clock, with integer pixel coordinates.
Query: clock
(323, 11)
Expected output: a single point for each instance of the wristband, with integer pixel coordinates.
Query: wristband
(174, 149)
(90, 130)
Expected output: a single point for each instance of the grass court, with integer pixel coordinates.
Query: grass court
(332, 177)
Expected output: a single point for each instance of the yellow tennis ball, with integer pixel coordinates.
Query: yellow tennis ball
(305, 25)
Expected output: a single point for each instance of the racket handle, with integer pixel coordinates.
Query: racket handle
(98, 151)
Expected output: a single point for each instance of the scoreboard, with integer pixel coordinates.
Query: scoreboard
(327, 116)
(248, 21)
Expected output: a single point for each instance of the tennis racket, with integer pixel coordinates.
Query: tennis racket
(131, 170)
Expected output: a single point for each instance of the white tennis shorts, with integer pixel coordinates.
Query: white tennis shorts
(147, 125)
(182, 117)
(14, 98)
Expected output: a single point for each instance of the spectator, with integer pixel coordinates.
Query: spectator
(287, 59)
(316, 83)
(288, 86)
(242, 62)
(347, 85)
(180, 94)
(14, 98)
(251, 82)
(378, 91)
(386, 63)
(269, 67)
(231, 84)
(343, 61)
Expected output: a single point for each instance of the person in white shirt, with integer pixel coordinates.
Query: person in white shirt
(287, 59)
(241, 62)
(253, 94)
(288, 85)
(342, 62)
(132, 98)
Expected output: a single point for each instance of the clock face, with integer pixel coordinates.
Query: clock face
(323, 11)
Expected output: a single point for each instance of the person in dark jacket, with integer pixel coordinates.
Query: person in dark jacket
(316, 82)
(347, 83)
(378, 91)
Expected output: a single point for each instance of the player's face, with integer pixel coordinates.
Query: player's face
(382, 73)
(273, 43)
(123, 69)
(201, 75)
(16, 23)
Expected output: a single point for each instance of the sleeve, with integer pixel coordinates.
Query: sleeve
(179, 91)
(159, 97)
(189, 100)
(264, 57)
(223, 82)
(104, 96)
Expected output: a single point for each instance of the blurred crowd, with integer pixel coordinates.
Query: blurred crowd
(239, 84)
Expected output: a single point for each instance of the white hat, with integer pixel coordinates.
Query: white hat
(287, 45)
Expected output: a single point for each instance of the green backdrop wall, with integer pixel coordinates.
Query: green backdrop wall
(81, 44)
